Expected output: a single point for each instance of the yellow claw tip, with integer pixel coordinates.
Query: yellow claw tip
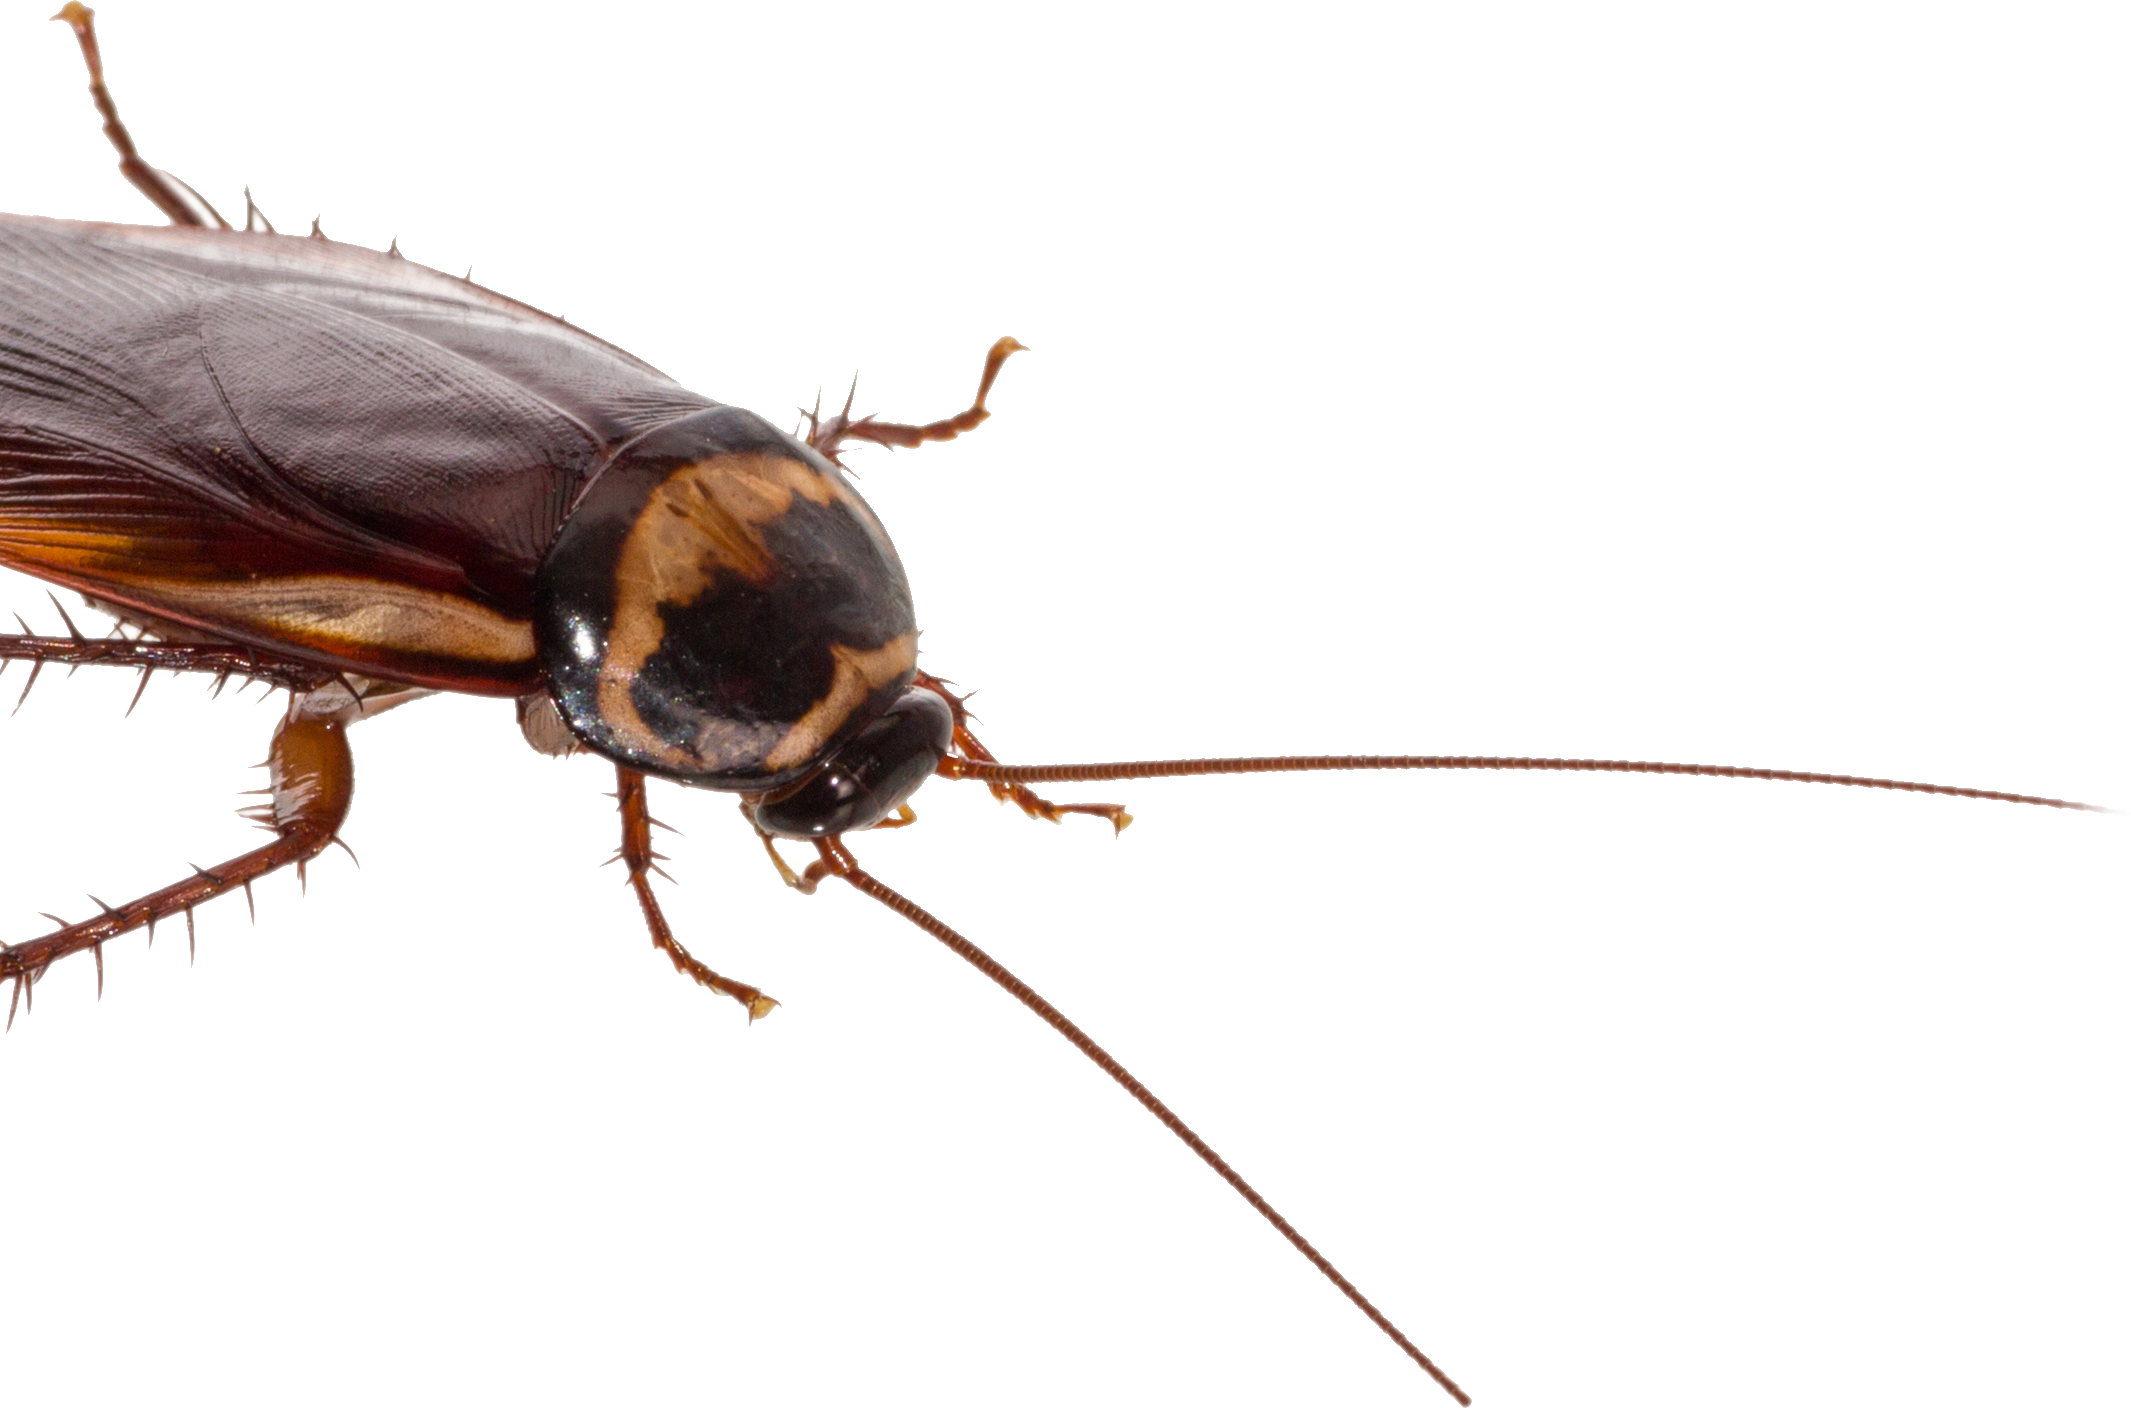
(1122, 820)
(761, 1007)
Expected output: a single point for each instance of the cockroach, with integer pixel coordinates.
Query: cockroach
(1311, 998)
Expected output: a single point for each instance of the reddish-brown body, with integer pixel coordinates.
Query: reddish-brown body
(1611, 634)
(386, 517)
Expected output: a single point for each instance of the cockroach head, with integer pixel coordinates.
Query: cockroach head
(721, 608)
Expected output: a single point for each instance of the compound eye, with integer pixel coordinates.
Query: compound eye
(869, 777)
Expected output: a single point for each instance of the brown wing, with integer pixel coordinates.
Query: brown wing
(319, 449)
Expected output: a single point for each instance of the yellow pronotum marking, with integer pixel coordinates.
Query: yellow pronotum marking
(858, 674)
(706, 519)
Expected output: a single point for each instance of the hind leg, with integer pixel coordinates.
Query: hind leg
(311, 781)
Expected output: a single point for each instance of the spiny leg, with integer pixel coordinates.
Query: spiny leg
(183, 204)
(637, 855)
(311, 781)
(222, 661)
(1033, 806)
(828, 436)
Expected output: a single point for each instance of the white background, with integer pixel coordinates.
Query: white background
(1737, 387)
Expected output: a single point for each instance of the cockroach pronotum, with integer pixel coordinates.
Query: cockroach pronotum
(1409, 1008)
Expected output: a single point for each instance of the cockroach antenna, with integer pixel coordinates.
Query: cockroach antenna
(837, 860)
(568, 562)
(1020, 775)
(1010, 783)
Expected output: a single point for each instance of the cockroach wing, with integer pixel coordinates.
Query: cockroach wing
(614, 394)
(328, 452)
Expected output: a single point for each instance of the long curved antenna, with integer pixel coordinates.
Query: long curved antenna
(837, 861)
(1008, 773)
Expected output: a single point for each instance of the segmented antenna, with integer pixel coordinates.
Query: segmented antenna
(1007, 774)
(838, 861)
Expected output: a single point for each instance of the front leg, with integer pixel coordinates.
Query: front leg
(828, 436)
(637, 855)
(1032, 806)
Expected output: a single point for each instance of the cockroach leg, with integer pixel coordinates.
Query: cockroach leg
(73, 631)
(256, 223)
(313, 781)
(132, 704)
(36, 668)
(828, 435)
(808, 881)
(180, 202)
(785, 872)
(219, 660)
(637, 855)
(1034, 807)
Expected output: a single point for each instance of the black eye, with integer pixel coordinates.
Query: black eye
(870, 776)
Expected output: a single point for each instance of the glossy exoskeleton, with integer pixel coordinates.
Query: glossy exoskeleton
(408, 483)
(364, 480)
